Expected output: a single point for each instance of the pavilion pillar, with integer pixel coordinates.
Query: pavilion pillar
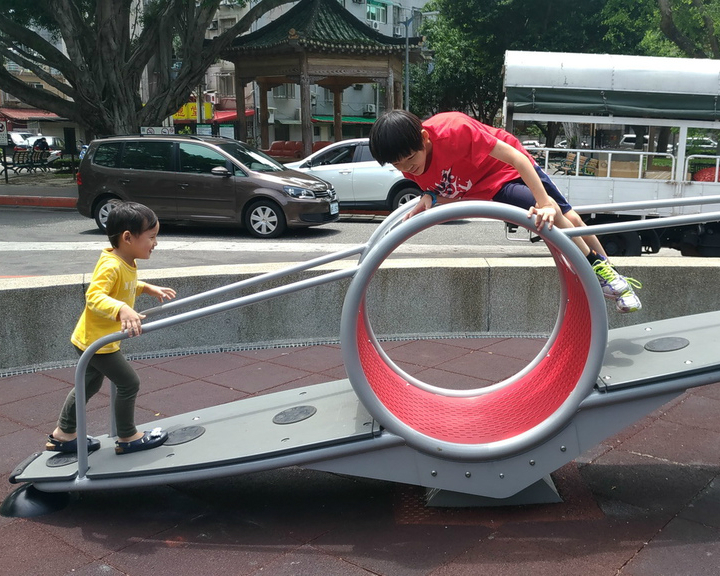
(337, 112)
(390, 91)
(305, 106)
(264, 117)
(241, 131)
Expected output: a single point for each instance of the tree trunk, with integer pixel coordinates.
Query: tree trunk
(106, 57)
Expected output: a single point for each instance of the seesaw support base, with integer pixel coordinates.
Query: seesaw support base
(541, 492)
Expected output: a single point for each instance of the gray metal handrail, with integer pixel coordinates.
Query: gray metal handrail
(172, 321)
(387, 225)
(645, 204)
(376, 244)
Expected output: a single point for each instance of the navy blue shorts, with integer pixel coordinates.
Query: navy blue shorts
(518, 194)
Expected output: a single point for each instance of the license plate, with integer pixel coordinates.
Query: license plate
(334, 208)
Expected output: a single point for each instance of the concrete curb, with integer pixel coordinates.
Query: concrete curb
(41, 201)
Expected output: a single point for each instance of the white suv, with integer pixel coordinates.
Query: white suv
(360, 182)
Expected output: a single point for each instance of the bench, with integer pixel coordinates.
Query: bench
(590, 166)
(21, 160)
(319, 145)
(572, 165)
(39, 160)
(285, 150)
(568, 165)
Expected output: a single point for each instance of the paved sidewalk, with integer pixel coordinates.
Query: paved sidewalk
(644, 503)
(43, 189)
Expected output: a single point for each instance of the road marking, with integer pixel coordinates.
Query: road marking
(256, 247)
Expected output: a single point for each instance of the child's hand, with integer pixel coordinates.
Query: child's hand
(543, 215)
(160, 292)
(130, 321)
(425, 203)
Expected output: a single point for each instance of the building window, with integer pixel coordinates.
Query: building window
(226, 24)
(286, 91)
(226, 85)
(376, 12)
(36, 85)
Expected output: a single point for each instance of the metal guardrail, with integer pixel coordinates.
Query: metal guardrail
(542, 156)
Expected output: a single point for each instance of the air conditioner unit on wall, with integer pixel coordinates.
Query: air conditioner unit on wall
(358, 1)
(370, 109)
(398, 31)
(375, 25)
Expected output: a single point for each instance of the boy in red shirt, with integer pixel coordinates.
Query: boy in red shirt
(454, 157)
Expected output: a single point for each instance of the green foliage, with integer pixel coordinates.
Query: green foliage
(688, 29)
(108, 46)
(457, 78)
(469, 39)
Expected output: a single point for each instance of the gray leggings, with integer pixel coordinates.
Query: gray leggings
(117, 369)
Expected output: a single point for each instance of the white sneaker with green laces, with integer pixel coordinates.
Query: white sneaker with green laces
(628, 301)
(616, 287)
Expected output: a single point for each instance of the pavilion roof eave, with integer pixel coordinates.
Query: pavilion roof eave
(317, 26)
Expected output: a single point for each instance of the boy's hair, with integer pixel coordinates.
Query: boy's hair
(131, 216)
(395, 135)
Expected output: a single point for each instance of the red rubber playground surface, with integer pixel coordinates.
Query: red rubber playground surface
(646, 502)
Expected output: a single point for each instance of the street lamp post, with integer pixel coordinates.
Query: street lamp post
(407, 23)
(407, 60)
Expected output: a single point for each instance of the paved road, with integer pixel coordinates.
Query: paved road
(41, 241)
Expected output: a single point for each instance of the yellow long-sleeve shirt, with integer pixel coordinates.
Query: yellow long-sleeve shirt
(114, 283)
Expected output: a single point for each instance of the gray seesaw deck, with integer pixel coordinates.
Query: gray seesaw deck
(243, 432)
(693, 343)
(235, 432)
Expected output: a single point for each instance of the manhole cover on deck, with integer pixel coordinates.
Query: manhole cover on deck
(183, 435)
(668, 344)
(294, 414)
(61, 459)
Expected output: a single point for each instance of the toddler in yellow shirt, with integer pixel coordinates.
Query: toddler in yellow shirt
(132, 229)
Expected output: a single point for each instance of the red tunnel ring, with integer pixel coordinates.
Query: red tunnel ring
(502, 419)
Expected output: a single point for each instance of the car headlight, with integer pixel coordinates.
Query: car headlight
(298, 192)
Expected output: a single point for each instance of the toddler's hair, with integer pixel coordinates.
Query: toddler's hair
(395, 135)
(131, 216)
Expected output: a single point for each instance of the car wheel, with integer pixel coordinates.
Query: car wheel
(402, 196)
(102, 209)
(265, 219)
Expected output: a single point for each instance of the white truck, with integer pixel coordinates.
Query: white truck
(648, 130)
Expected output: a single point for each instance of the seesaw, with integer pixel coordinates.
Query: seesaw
(488, 446)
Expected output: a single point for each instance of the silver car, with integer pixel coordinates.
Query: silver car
(360, 182)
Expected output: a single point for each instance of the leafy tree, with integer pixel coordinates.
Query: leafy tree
(675, 28)
(109, 45)
(664, 27)
(457, 77)
(469, 39)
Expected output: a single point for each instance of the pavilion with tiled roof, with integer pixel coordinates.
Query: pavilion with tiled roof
(317, 42)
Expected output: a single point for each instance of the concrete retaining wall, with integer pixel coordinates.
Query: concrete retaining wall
(407, 297)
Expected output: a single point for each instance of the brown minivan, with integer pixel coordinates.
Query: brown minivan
(201, 179)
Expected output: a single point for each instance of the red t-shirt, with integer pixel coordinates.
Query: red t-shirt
(460, 166)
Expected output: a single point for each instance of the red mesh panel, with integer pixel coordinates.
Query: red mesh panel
(501, 414)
